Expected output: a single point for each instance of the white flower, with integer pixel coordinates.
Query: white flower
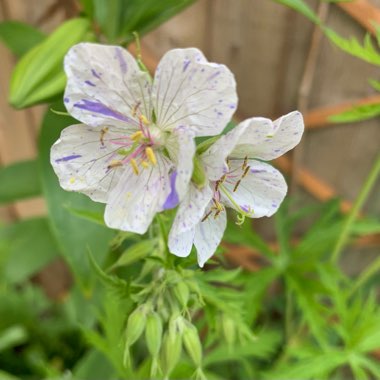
(135, 148)
(236, 178)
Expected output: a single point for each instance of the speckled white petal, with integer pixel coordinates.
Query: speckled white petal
(261, 191)
(80, 158)
(104, 85)
(181, 148)
(268, 140)
(135, 200)
(181, 244)
(192, 92)
(208, 235)
(214, 158)
(189, 214)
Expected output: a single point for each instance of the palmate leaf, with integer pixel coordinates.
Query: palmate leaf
(365, 51)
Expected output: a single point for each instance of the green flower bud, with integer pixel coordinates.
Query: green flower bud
(199, 174)
(135, 325)
(171, 352)
(153, 333)
(182, 293)
(39, 74)
(229, 330)
(192, 343)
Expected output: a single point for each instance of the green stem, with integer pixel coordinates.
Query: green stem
(362, 197)
(366, 275)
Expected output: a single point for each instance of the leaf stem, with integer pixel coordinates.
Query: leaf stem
(362, 197)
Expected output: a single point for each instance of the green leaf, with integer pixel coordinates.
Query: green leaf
(92, 216)
(118, 19)
(301, 7)
(74, 235)
(20, 37)
(12, 336)
(365, 51)
(264, 346)
(134, 253)
(358, 113)
(19, 181)
(29, 247)
(93, 365)
(39, 76)
(375, 84)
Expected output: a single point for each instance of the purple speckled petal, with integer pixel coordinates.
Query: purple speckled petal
(208, 235)
(80, 160)
(267, 140)
(104, 85)
(262, 190)
(188, 90)
(189, 214)
(136, 199)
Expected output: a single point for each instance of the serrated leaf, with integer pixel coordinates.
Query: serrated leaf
(352, 46)
(20, 37)
(19, 181)
(301, 7)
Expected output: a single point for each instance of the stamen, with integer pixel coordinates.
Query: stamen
(245, 163)
(246, 171)
(145, 164)
(218, 212)
(151, 156)
(236, 185)
(135, 108)
(144, 120)
(103, 131)
(220, 181)
(134, 166)
(136, 136)
(206, 216)
(114, 164)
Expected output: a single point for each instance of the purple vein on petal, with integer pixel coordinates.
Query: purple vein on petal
(68, 158)
(122, 62)
(172, 200)
(101, 109)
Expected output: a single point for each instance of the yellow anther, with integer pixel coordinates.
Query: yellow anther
(236, 185)
(144, 120)
(134, 166)
(72, 180)
(136, 136)
(151, 156)
(206, 216)
(114, 164)
(246, 171)
(145, 164)
(245, 163)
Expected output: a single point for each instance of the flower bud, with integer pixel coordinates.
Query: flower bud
(182, 293)
(135, 325)
(229, 329)
(153, 333)
(192, 343)
(38, 75)
(171, 351)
